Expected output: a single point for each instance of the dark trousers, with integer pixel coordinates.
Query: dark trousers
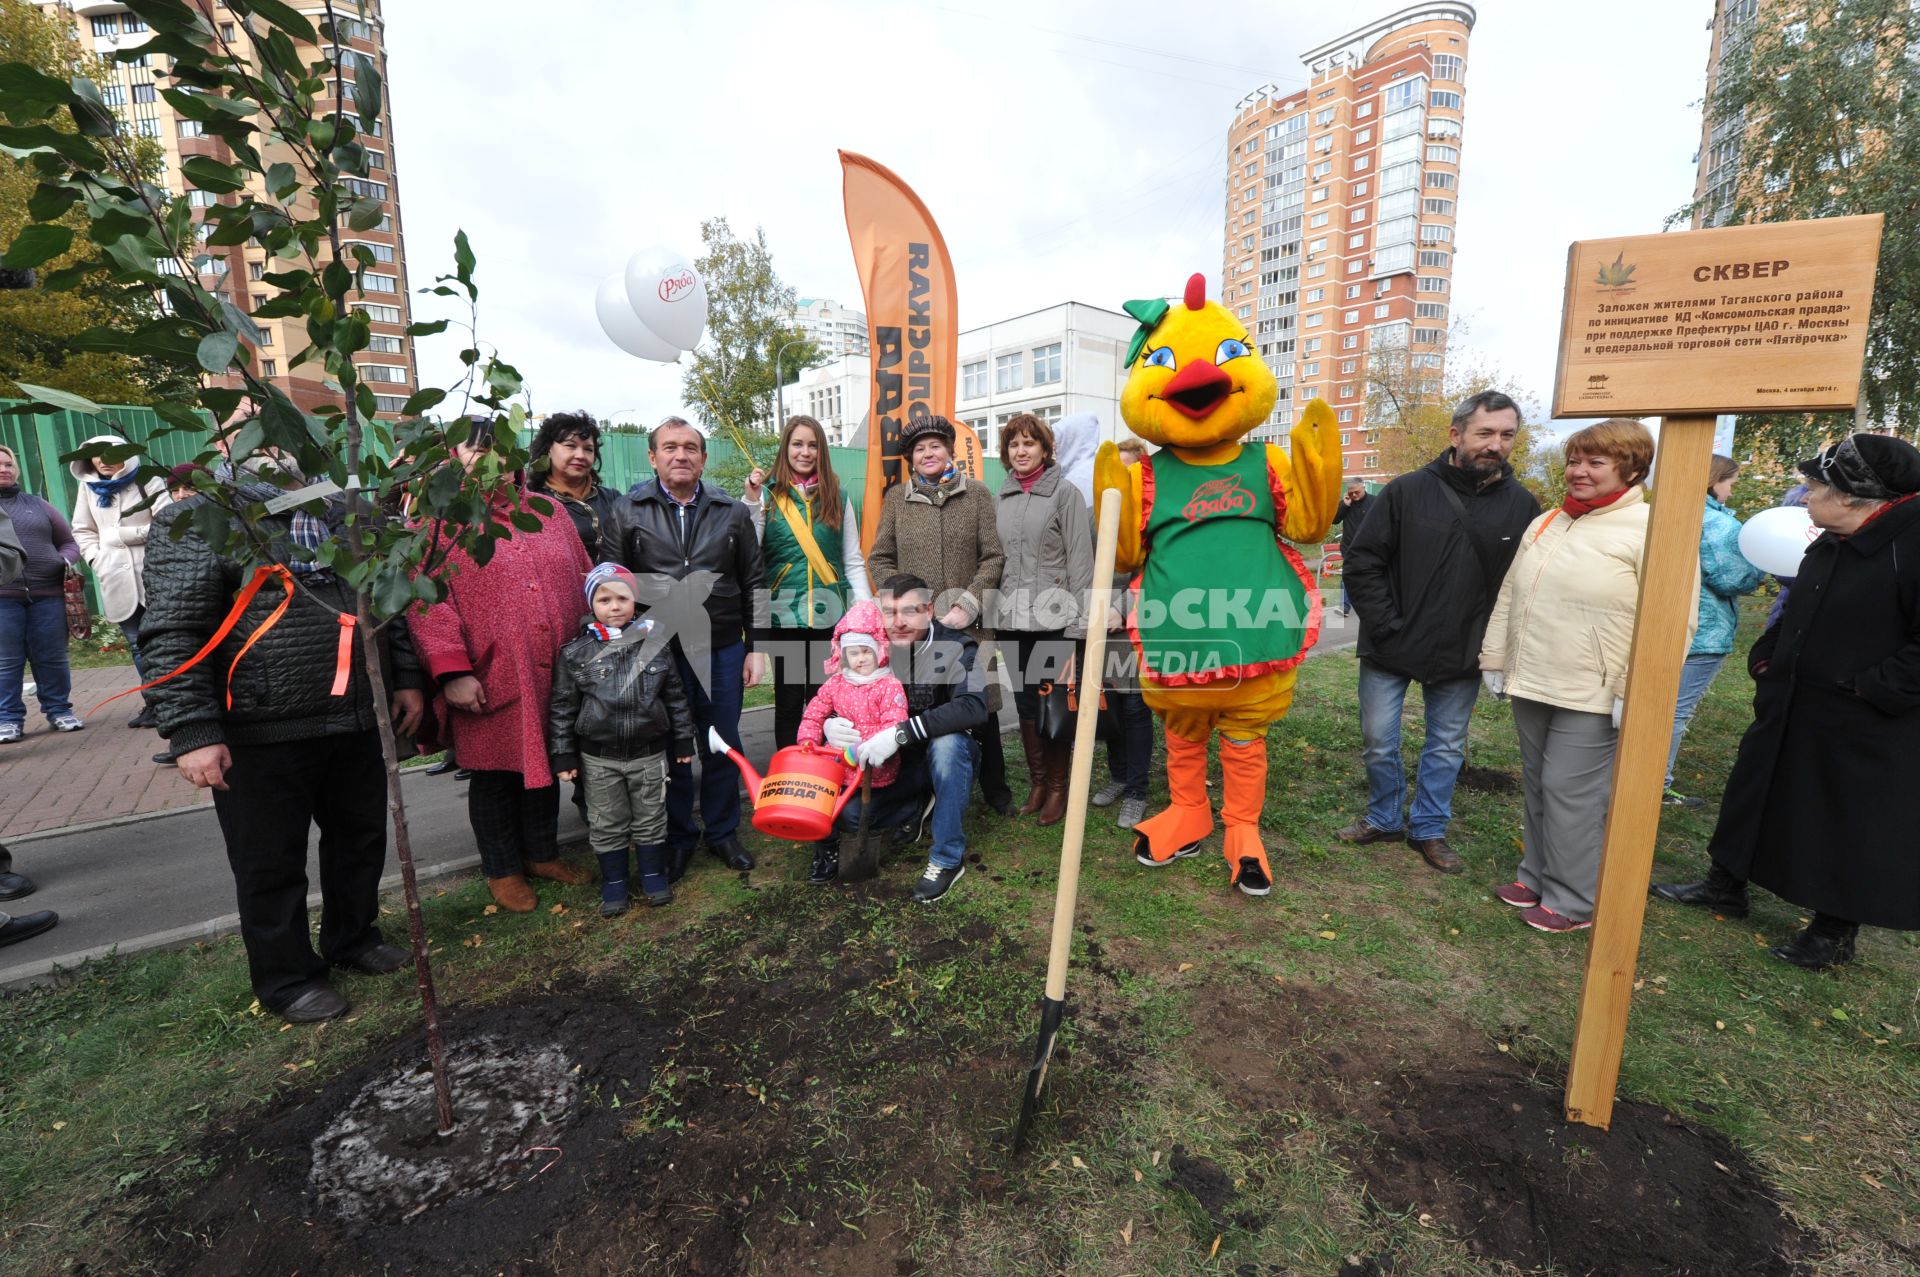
(794, 662)
(513, 826)
(716, 704)
(274, 792)
(1130, 754)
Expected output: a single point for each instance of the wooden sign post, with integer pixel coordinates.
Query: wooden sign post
(1765, 318)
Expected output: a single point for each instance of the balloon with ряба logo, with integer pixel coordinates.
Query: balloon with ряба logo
(1774, 540)
(624, 328)
(668, 294)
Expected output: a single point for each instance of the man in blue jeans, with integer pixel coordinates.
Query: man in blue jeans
(946, 700)
(1423, 573)
(697, 559)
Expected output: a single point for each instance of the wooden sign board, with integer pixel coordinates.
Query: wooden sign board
(1770, 317)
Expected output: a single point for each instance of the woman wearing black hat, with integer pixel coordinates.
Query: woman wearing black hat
(1836, 719)
(942, 527)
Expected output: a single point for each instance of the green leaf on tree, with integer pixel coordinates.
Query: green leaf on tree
(37, 245)
(366, 94)
(364, 214)
(421, 400)
(26, 92)
(282, 181)
(64, 400)
(90, 112)
(280, 15)
(427, 329)
(49, 201)
(215, 352)
(210, 174)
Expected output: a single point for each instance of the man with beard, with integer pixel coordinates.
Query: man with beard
(1423, 573)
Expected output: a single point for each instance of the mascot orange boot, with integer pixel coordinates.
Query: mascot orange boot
(1227, 609)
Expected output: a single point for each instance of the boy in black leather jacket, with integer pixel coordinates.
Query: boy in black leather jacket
(618, 706)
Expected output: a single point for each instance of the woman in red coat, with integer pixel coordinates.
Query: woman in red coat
(490, 645)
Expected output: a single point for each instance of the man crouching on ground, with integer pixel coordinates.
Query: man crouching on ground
(946, 700)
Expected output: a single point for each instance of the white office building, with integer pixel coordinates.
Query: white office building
(835, 394)
(838, 330)
(1054, 363)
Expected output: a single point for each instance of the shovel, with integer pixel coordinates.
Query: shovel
(863, 862)
(1086, 726)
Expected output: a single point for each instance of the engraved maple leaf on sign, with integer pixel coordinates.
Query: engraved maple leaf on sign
(1616, 273)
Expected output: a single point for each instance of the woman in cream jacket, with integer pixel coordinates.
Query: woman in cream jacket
(1557, 646)
(111, 517)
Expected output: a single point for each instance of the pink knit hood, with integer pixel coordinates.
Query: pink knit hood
(862, 618)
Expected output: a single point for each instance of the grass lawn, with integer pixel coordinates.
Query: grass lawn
(1210, 1110)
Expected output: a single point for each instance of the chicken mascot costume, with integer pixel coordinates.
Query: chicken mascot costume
(1227, 609)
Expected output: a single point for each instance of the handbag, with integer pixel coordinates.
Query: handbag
(79, 616)
(1060, 705)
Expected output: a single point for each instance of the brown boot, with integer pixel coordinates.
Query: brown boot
(1058, 760)
(558, 871)
(513, 893)
(1036, 768)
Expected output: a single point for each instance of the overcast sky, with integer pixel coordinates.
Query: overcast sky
(1071, 150)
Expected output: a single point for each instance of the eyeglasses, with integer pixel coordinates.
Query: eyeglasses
(1843, 467)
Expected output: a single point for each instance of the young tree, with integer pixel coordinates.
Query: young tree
(38, 325)
(276, 94)
(1825, 98)
(731, 378)
(1411, 396)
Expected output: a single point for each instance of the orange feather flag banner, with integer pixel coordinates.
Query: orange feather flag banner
(906, 277)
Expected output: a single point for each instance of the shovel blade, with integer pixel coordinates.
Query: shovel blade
(862, 864)
(1051, 1011)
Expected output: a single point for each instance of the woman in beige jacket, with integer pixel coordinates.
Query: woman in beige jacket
(942, 527)
(111, 517)
(1557, 646)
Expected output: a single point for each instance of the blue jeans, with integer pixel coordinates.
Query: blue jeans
(34, 630)
(944, 769)
(1696, 676)
(131, 628)
(1130, 754)
(1449, 708)
(715, 704)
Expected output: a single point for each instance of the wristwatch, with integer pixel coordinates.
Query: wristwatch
(903, 736)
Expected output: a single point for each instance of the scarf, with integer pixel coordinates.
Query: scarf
(1575, 507)
(940, 481)
(105, 490)
(9, 491)
(1893, 504)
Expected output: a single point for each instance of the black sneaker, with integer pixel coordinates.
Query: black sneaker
(1672, 799)
(1253, 879)
(936, 882)
(826, 865)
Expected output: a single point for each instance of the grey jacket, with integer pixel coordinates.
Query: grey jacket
(1047, 538)
(616, 699)
(13, 559)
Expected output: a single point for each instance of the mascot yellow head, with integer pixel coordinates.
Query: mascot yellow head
(1196, 378)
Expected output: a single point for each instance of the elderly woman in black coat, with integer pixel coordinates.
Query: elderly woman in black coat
(1808, 813)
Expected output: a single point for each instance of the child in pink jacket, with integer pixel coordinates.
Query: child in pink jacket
(859, 687)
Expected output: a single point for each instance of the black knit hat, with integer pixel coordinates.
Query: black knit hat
(1875, 466)
(926, 426)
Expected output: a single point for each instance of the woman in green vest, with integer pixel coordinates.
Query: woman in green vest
(810, 541)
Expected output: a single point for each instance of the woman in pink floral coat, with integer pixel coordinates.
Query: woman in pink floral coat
(490, 647)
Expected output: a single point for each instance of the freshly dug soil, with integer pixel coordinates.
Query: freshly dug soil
(714, 1122)
(1458, 1131)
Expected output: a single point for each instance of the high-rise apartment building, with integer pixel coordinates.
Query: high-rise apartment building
(1717, 177)
(838, 330)
(388, 366)
(1341, 205)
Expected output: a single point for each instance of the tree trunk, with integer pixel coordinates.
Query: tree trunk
(403, 851)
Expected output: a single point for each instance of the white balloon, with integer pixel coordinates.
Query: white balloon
(1774, 540)
(624, 328)
(668, 294)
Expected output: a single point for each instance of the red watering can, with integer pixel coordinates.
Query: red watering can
(800, 796)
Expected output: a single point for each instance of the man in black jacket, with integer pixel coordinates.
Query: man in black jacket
(1423, 573)
(697, 558)
(1351, 514)
(946, 701)
(278, 748)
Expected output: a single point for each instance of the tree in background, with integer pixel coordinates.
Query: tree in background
(1411, 397)
(1825, 96)
(38, 325)
(732, 374)
(276, 95)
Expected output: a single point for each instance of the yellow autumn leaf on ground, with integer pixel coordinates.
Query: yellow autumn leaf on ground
(491, 909)
(558, 909)
(1719, 1024)
(1137, 1176)
(1329, 935)
(59, 1126)
(1185, 966)
(1215, 1250)
(1126, 1234)
(1078, 1165)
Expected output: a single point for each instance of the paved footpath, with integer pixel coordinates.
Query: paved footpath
(130, 855)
